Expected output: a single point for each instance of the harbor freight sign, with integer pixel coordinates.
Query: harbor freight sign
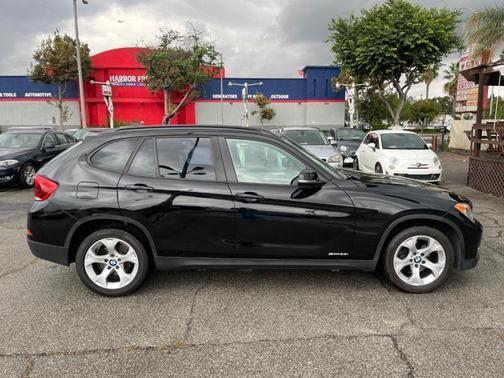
(127, 80)
(20, 87)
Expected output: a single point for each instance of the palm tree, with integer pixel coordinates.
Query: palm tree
(485, 28)
(450, 87)
(428, 76)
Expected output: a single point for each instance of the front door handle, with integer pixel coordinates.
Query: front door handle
(249, 197)
(139, 188)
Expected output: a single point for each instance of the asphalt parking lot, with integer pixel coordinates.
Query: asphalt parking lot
(252, 323)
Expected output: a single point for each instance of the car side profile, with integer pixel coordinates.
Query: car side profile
(203, 197)
(23, 150)
(398, 153)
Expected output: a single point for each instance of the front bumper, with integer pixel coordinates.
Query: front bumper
(425, 176)
(8, 174)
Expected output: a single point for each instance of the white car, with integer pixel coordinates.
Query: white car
(398, 153)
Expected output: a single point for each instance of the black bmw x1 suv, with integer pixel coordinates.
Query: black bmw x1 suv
(205, 197)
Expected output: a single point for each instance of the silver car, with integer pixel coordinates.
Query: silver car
(314, 141)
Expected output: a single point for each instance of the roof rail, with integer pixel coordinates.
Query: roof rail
(30, 128)
(164, 127)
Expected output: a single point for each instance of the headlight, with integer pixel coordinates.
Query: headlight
(465, 209)
(436, 160)
(343, 148)
(8, 163)
(393, 160)
(335, 159)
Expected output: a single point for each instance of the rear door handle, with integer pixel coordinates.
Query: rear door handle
(139, 188)
(249, 197)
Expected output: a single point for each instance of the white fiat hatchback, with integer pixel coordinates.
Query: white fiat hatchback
(398, 153)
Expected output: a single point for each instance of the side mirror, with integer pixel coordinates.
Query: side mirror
(309, 179)
(429, 145)
(372, 146)
(333, 142)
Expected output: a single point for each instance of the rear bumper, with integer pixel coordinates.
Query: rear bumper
(49, 252)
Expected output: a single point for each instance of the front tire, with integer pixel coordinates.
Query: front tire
(378, 168)
(112, 262)
(356, 164)
(27, 175)
(418, 259)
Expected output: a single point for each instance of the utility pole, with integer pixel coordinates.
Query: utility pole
(79, 67)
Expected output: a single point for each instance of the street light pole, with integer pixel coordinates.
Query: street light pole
(352, 106)
(245, 94)
(79, 67)
(221, 91)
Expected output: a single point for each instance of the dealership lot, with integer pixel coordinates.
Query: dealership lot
(252, 323)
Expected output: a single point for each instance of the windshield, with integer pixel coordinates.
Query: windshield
(19, 140)
(307, 137)
(402, 141)
(350, 134)
(316, 161)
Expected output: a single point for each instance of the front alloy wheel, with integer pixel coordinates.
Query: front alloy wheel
(112, 262)
(418, 259)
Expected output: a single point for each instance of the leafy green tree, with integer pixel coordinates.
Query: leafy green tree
(445, 103)
(373, 108)
(265, 112)
(55, 62)
(451, 75)
(393, 44)
(424, 111)
(485, 28)
(428, 77)
(179, 62)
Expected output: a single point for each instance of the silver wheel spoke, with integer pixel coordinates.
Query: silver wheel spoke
(125, 278)
(101, 279)
(399, 264)
(435, 268)
(129, 256)
(410, 244)
(415, 278)
(93, 258)
(433, 246)
(110, 245)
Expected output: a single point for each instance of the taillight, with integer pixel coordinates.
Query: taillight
(43, 187)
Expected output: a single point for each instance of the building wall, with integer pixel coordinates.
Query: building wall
(320, 114)
(36, 113)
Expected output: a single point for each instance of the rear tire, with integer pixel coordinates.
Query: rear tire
(112, 262)
(27, 175)
(418, 259)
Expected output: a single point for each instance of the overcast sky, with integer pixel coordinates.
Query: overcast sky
(258, 38)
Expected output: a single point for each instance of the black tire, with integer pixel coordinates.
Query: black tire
(403, 236)
(355, 164)
(24, 181)
(123, 236)
(378, 168)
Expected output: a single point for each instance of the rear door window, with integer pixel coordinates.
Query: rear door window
(144, 162)
(186, 158)
(115, 155)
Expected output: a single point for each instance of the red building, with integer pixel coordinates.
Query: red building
(133, 102)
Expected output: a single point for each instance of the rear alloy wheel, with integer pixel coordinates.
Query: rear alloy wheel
(112, 262)
(27, 175)
(378, 168)
(419, 259)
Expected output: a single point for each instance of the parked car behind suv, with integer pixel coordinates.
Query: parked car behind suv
(24, 150)
(228, 197)
(314, 141)
(347, 140)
